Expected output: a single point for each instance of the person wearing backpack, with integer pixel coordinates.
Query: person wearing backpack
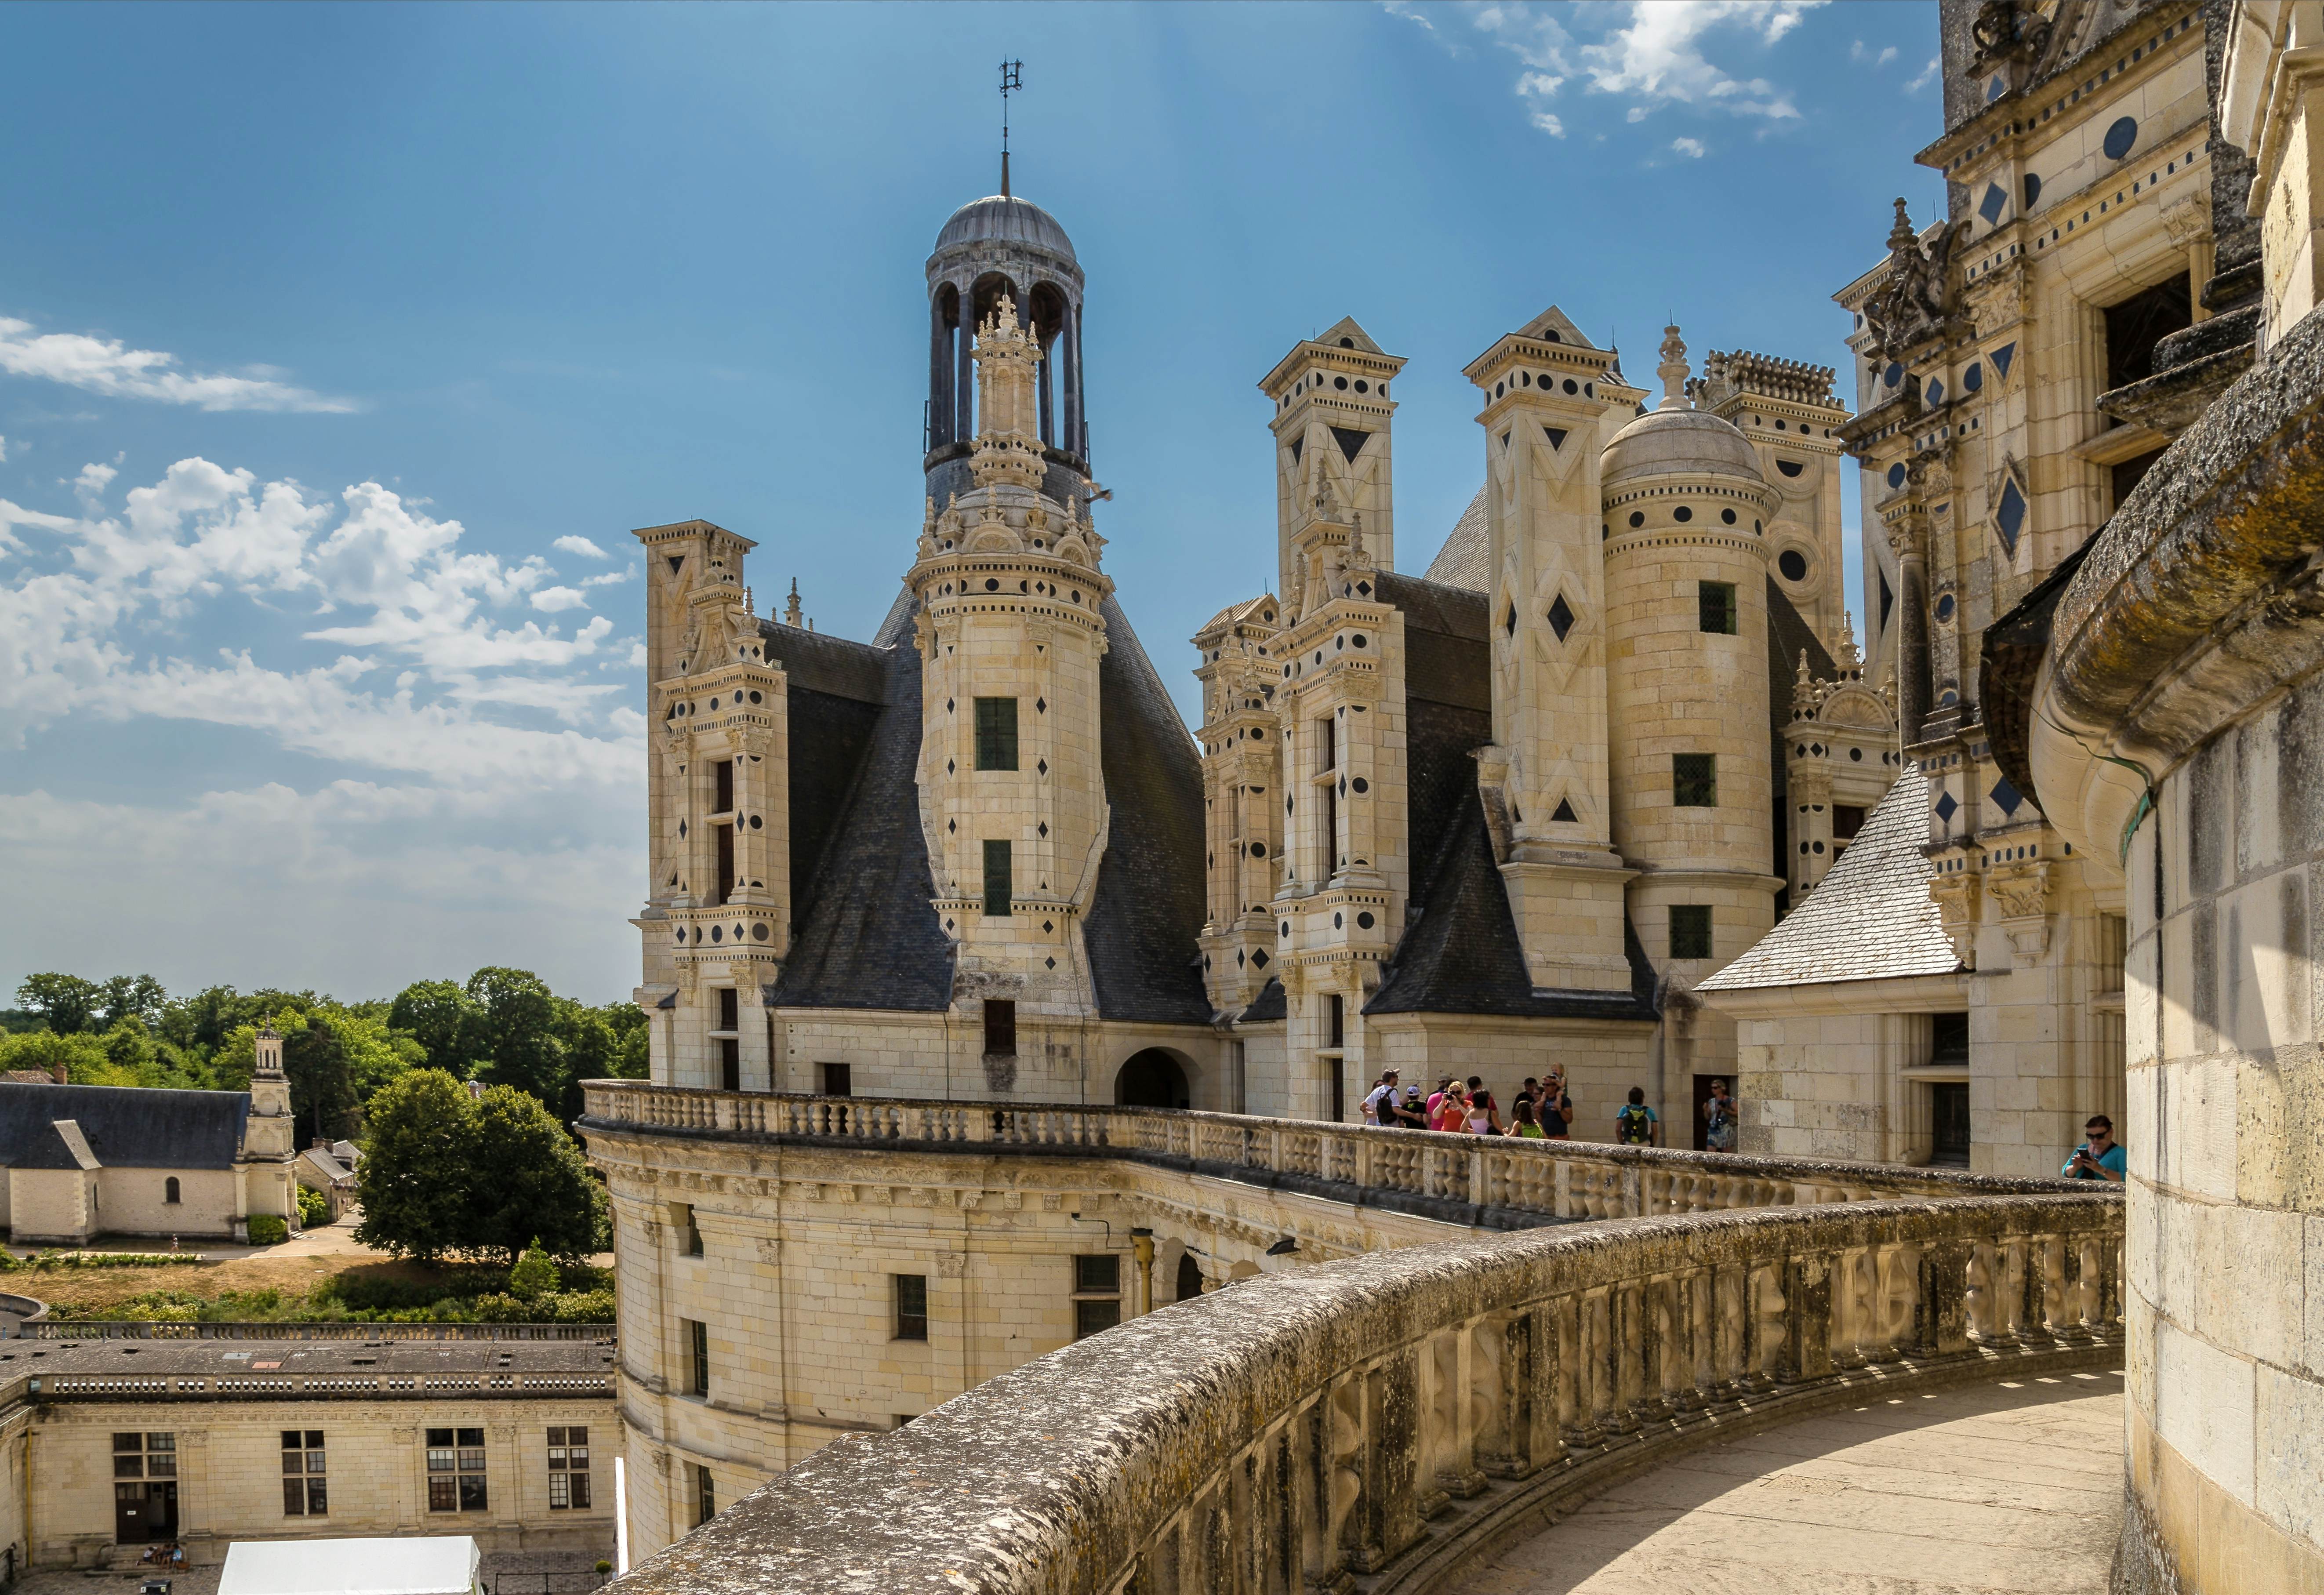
(1634, 1123)
(1718, 1116)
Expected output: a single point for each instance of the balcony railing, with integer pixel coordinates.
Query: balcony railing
(1495, 1182)
(1394, 1415)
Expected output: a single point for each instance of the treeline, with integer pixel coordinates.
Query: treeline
(501, 1027)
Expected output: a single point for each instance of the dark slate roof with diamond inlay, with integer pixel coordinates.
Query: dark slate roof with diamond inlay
(1870, 919)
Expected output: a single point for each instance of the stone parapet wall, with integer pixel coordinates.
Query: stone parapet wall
(1391, 1416)
(1492, 1182)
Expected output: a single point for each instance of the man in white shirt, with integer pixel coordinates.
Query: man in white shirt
(1380, 1092)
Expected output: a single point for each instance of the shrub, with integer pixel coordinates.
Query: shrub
(314, 1208)
(533, 1274)
(266, 1229)
(576, 1306)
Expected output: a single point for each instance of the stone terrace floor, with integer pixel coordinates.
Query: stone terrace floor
(2001, 1486)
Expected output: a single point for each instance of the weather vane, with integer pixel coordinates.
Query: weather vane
(1012, 78)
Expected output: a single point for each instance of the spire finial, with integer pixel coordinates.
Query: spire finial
(1673, 370)
(1012, 78)
(791, 615)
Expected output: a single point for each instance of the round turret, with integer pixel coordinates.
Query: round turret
(1005, 218)
(1678, 443)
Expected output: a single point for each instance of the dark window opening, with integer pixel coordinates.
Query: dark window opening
(1694, 780)
(998, 888)
(697, 1339)
(1190, 1277)
(1716, 607)
(1097, 1293)
(1847, 820)
(304, 1489)
(722, 888)
(911, 1306)
(1949, 1115)
(692, 1230)
(2138, 323)
(455, 1470)
(1151, 1078)
(1690, 930)
(996, 734)
(730, 1064)
(1001, 1028)
(724, 771)
(170, 1190)
(730, 1008)
(838, 1079)
(705, 1497)
(1948, 1039)
(1337, 1021)
(568, 1468)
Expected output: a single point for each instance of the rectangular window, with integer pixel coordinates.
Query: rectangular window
(1336, 1021)
(998, 888)
(144, 1456)
(2114, 942)
(911, 1306)
(1097, 1293)
(1717, 601)
(1694, 780)
(1001, 1028)
(304, 1490)
(697, 1343)
(730, 1065)
(725, 772)
(1847, 820)
(568, 1468)
(838, 1079)
(1327, 761)
(705, 1497)
(730, 1008)
(681, 1215)
(1690, 930)
(996, 734)
(722, 889)
(455, 1470)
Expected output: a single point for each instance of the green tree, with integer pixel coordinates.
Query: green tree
(131, 996)
(82, 1055)
(322, 1082)
(415, 1180)
(534, 1275)
(631, 1028)
(66, 1001)
(433, 1013)
(510, 1036)
(529, 1182)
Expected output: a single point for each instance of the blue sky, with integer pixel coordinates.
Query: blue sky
(340, 347)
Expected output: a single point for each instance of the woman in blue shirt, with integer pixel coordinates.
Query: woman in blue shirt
(2100, 1156)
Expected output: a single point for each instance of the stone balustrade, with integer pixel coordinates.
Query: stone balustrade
(1492, 1182)
(1388, 1416)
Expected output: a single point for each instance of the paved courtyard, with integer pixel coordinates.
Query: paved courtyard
(2008, 1486)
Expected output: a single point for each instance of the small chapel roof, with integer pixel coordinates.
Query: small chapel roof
(120, 1126)
(1870, 919)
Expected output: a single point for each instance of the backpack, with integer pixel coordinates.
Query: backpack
(1634, 1125)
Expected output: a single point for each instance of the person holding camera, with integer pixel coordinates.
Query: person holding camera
(2100, 1157)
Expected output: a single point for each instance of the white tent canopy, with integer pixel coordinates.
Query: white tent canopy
(444, 1566)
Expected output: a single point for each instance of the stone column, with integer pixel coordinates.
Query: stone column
(939, 375)
(1069, 379)
(964, 381)
(1906, 526)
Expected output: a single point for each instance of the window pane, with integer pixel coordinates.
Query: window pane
(556, 1437)
(558, 1498)
(129, 1443)
(996, 734)
(471, 1436)
(289, 1439)
(129, 1467)
(576, 1459)
(315, 1462)
(160, 1443)
(472, 1493)
(440, 1460)
(472, 1462)
(443, 1496)
(580, 1488)
(314, 1439)
(1717, 607)
(1690, 930)
(997, 887)
(294, 1461)
(1097, 1273)
(319, 1499)
(1090, 1317)
(556, 1456)
(576, 1436)
(294, 1497)
(164, 1466)
(439, 1436)
(1694, 780)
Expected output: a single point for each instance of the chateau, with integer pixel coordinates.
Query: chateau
(995, 1015)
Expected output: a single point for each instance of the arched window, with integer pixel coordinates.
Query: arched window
(169, 1189)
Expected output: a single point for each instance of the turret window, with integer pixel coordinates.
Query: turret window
(1690, 930)
(998, 888)
(1716, 603)
(996, 734)
(1694, 780)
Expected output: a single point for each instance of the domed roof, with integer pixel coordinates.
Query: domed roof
(1678, 443)
(1004, 218)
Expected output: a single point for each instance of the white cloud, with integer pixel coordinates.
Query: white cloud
(109, 366)
(3, 451)
(609, 579)
(1926, 76)
(1691, 147)
(581, 546)
(550, 600)
(1659, 57)
(1857, 53)
(1411, 14)
(1535, 89)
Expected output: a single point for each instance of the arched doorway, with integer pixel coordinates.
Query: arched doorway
(1151, 1079)
(1190, 1278)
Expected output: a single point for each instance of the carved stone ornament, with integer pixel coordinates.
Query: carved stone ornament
(1956, 896)
(2005, 31)
(2023, 895)
(1917, 300)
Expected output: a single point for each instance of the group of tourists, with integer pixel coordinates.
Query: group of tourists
(1543, 1110)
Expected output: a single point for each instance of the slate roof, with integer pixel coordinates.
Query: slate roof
(120, 1126)
(1871, 919)
(327, 1165)
(209, 1358)
(1463, 560)
(865, 936)
(1141, 933)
